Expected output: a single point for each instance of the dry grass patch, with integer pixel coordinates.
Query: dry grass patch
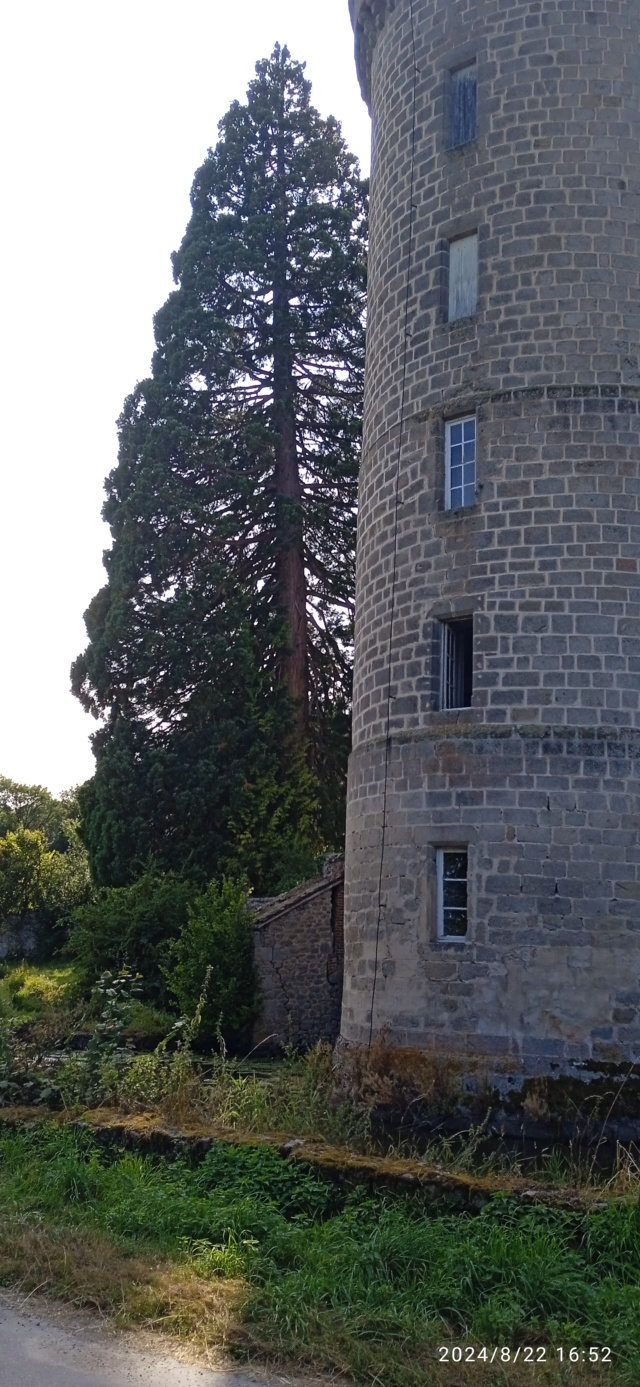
(83, 1268)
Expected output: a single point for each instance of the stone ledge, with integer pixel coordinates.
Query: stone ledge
(466, 399)
(148, 1133)
(483, 731)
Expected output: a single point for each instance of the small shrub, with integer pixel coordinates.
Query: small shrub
(146, 1022)
(36, 878)
(131, 926)
(218, 935)
(145, 1082)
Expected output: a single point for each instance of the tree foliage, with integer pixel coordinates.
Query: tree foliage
(33, 807)
(218, 935)
(34, 878)
(219, 649)
(131, 927)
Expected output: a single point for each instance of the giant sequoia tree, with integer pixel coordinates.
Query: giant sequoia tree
(219, 650)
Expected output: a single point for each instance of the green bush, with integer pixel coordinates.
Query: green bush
(217, 935)
(131, 926)
(42, 884)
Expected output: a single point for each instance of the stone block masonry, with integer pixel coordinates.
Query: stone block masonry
(538, 778)
(548, 971)
(298, 951)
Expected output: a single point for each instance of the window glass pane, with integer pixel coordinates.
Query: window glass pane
(455, 866)
(463, 277)
(464, 100)
(455, 894)
(460, 489)
(453, 914)
(454, 924)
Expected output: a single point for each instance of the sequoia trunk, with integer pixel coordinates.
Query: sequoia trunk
(291, 584)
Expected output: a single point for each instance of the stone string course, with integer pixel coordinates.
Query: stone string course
(540, 776)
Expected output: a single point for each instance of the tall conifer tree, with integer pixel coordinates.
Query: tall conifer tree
(219, 650)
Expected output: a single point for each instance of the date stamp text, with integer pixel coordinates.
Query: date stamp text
(467, 1353)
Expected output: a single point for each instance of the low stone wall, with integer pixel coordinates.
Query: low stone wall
(299, 954)
(18, 937)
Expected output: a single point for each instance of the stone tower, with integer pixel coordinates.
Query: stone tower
(493, 849)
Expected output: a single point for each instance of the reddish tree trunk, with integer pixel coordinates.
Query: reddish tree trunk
(290, 569)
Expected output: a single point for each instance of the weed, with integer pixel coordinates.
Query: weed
(93, 1075)
(19, 1082)
(235, 1257)
(404, 1082)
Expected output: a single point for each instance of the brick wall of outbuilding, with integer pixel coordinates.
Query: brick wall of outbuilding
(299, 951)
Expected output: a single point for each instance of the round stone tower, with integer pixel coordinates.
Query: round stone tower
(493, 848)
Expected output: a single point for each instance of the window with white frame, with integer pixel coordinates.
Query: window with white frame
(453, 892)
(464, 98)
(460, 463)
(457, 663)
(463, 277)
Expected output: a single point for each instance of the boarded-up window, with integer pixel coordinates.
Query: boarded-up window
(463, 277)
(464, 94)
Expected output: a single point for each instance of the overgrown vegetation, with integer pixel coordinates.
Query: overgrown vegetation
(132, 927)
(44, 870)
(217, 936)
(270, 1256)
(35, 992)
(343, 1280)
(169, 934)
(295, 1097)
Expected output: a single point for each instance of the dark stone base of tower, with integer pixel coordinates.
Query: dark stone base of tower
(536, 781)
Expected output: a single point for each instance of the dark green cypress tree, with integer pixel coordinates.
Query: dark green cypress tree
(219, 650)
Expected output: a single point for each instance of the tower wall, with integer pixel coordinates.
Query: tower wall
(539, 776)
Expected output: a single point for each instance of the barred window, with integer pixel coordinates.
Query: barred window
(453, 892)
(457, 663)
(463, 277)
(460, 463)
(464, 102)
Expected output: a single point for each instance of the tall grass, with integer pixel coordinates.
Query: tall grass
(296, 1098)
(365, 1285)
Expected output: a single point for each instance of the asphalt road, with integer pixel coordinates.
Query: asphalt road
(35, 1351)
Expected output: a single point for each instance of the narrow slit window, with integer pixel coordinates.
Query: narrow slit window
(453, 893)
(457, 663)
(463, 277)
(460, 463)
(464, 104)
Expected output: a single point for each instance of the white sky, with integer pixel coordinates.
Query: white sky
(106, 110)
